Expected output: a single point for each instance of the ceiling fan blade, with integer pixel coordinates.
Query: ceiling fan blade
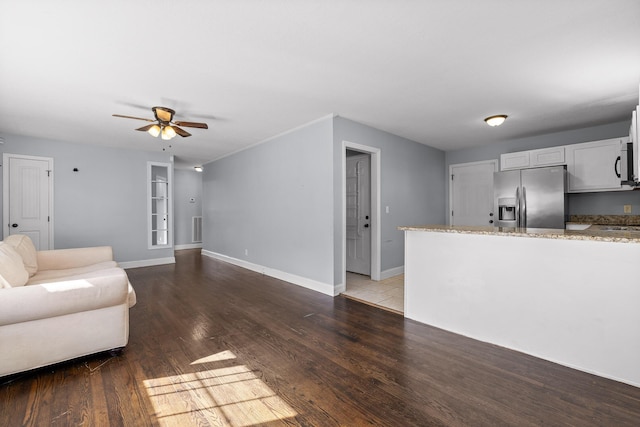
(146, 128)
(181, 132)
(193, 125)
(131, 117)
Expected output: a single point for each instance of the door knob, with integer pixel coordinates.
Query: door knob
(490, 221)
(14, 225)
(366, 226)
(490, 213)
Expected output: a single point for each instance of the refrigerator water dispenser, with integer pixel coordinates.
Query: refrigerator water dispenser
(507, 209)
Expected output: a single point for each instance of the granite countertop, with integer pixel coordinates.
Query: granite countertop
(593, 233)
(624, 220)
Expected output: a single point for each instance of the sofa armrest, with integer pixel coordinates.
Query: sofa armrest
(60, 259)
(33, 302)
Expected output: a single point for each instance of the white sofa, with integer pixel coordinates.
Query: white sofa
(60, 304)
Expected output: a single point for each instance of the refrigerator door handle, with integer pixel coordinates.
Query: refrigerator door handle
(523, 223)
(517, 206)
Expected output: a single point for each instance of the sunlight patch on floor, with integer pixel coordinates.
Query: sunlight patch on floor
(231, 396)
(223, 355)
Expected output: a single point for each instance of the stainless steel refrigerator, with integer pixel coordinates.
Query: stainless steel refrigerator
(535, 198)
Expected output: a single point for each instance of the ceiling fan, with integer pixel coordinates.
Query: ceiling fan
(164, 124)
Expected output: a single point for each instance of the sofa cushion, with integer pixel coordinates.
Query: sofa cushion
(4, 284)
(62, 259)
(44, 276)
(11, 266)
(24, 246)
(80, 293)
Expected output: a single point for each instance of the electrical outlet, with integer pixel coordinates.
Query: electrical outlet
(246, 252)
(627, 209)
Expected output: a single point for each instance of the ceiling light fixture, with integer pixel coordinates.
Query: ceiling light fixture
(198, 168)
(154, 131)
(168, 132)
(496, 120)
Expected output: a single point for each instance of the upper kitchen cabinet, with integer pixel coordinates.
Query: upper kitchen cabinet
(533, 158)
(595, 166)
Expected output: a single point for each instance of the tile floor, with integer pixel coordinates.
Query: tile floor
(387, 294)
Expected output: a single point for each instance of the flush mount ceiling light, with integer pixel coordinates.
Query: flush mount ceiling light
(198, 168)
(496, 120)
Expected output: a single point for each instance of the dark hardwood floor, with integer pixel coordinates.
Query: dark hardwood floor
(213, 344)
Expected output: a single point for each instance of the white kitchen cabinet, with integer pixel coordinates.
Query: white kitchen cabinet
(547, 157)
(519, 160)
(533, 158)
(594, 166)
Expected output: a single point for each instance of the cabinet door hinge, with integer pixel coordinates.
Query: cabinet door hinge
(451, 213)
(48, 172)
(451, 177)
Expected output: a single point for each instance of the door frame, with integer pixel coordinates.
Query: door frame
(374, 154)
(5, 192)
(493, 162)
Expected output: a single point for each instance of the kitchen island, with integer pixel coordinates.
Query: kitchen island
(568, 296)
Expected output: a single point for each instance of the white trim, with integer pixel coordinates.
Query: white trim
(448, 181)
(314, 285)
(147, 262)
(297, 128)
(5, 192)
(188, 246)
(375, 154)
(386, 274)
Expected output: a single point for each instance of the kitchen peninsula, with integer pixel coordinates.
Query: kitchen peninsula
(568, 296)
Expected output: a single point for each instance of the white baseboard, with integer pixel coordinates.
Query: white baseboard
(147, 262)
(314, 285)
(391, 272)
(188, 246)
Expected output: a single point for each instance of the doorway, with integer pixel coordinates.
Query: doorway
(374, 217)
(374, 222)
(28, 198)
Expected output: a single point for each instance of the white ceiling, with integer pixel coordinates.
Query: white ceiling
(426, 70)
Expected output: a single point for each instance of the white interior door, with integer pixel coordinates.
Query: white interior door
(28, 198)
(471, 193)
(358, 214)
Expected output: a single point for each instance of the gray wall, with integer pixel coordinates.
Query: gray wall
(104, 203)
(605, 203)
(282, 200)
(187, 184)
(412, 185)
(275, 201)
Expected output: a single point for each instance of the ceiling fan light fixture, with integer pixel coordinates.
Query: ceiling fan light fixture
(496, 120)
(168, 132)
(198, 168)
(154, 131)
(163, 125)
